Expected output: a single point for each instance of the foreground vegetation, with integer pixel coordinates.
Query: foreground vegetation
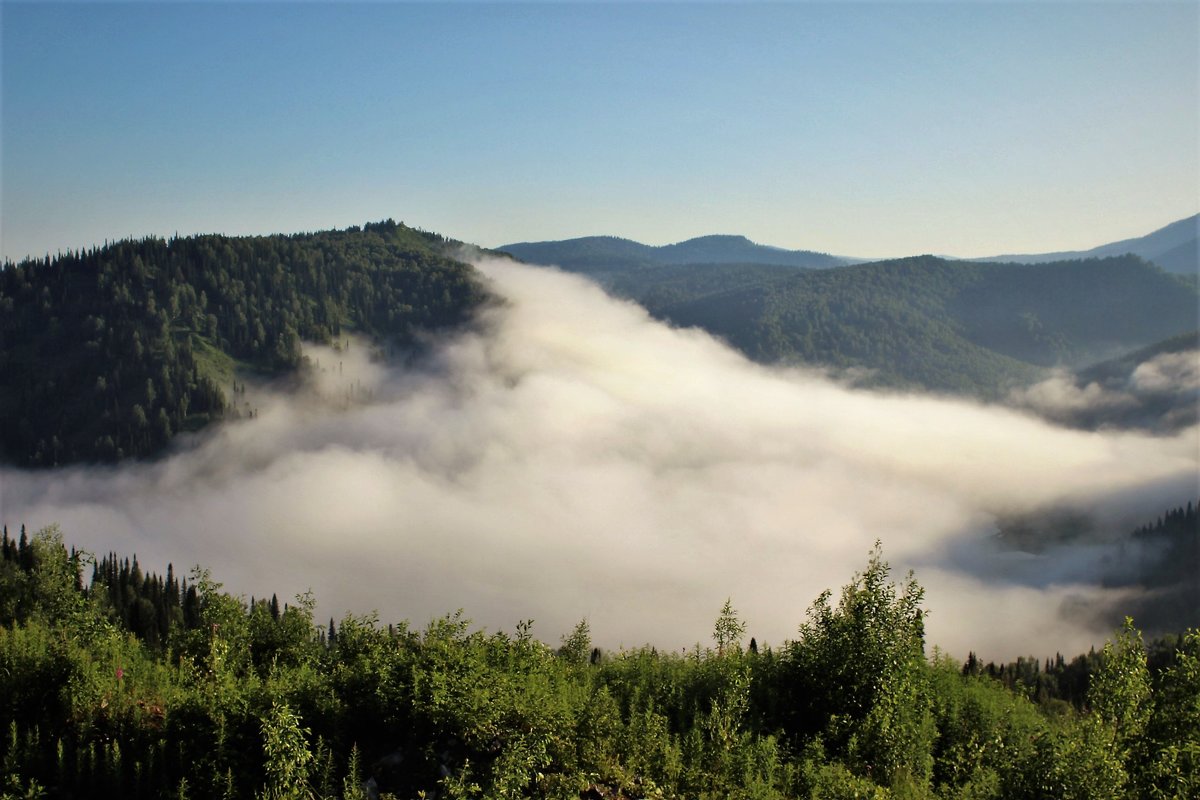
(140, 686)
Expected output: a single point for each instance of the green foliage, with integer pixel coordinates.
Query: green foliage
(15, 789)
(1166, 761)
(1119, 693)
(250, 700)
(577, 648)
(985, 733)
(352, 786)
(859, 678)
(288, 759)
(729, 630)
(834, 781)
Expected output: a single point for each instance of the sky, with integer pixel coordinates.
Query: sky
(867, 130)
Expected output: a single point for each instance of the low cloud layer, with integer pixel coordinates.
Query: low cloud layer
(573, 458)
(1161, 394)
(1169, 372)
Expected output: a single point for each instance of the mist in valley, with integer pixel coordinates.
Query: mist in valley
(569, 457)
(1160, 394)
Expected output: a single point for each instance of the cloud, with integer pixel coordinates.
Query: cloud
(1161, 394)
(1169, 372)
(571, 457)
(1060, 397)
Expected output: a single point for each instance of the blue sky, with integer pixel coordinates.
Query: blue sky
(852, 128)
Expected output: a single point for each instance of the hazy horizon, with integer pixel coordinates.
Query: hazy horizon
(652, 243)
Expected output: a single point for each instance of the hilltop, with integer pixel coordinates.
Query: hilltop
(112, 352)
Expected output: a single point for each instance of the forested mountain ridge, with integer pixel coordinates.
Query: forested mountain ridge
(926, 322)
(609, 254)
(109, 353)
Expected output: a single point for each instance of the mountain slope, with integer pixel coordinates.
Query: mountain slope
(926, 322)
(110, 353)
(1172, 247)
(1183, 257)
(1073, 313)
(609, 254)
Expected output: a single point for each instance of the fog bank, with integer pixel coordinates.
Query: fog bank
(1161, 395)
(572, 457)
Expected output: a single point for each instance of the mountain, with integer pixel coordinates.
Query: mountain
(979, 327)
(1123, 367)
(610, 254)
(112, 352)
(1174, 248)
(925, 322)
(740, 250)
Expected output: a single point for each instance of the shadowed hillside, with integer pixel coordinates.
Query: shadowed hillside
(926, 322)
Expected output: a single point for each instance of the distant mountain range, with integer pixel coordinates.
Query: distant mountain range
(979, 327)
(1174, 248)
(610, 254)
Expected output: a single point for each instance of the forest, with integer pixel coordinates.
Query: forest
(122, 683)
(109, 353)
(925, 323)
